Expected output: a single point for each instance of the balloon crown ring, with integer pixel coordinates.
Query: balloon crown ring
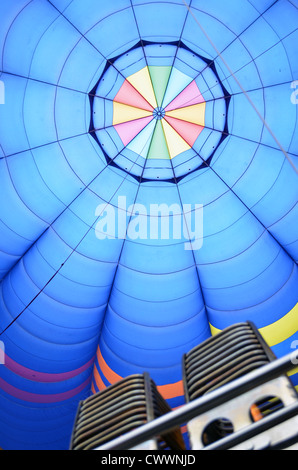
(159, 112)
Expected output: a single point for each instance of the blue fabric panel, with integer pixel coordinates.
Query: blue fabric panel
(96, 282)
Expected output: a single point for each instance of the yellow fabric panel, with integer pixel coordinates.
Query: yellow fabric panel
(194, 114)
(214, 331)
(281, 329)
(175, 143)
(293, 372)
(141, 81)
(278, 331)
(123, 113)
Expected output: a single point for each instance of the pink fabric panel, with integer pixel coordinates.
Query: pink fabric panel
(130, 96)
(129, 130)
(188, 131)
(189, 96)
